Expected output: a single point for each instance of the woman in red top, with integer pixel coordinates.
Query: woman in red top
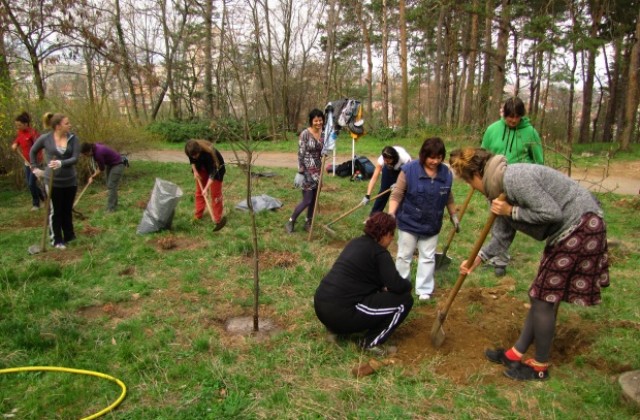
(25, 137)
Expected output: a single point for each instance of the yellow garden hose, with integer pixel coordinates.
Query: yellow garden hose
(78, 371)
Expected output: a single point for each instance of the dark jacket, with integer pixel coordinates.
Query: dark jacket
(363, 268)
(214, 167)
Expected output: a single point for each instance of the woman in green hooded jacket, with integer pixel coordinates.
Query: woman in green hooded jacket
(513, 136)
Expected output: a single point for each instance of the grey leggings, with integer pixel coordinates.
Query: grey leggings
(539, 329)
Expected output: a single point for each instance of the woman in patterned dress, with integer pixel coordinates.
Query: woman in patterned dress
(310, 147)
(548, 206)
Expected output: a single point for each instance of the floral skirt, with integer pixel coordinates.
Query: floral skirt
(574, 269)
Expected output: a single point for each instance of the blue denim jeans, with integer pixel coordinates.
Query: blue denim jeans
(32, 182)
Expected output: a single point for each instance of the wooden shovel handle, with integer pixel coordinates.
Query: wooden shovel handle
(345, 214)
(75, 203)
(472, 257)
(206, 200)
(47, 205)
(460, 214)
(315, 205)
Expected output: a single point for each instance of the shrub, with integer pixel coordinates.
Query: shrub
(231, 129)
(175, 131)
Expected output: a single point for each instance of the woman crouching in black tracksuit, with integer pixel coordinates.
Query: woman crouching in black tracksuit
(363, 292)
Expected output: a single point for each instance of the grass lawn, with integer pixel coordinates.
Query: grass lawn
(151, 310)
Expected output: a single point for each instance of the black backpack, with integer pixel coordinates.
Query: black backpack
(365, 166)
(344, 169)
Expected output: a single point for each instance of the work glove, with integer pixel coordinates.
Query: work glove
(55, 164)
(392, 186)
(456, 222)
(39, 173)
(298, 181)
(365, 200)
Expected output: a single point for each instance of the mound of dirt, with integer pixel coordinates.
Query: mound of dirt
(480, 318)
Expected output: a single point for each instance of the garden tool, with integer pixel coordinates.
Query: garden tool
(342, 216)
(437, 332)
(441, 259)
(75, 203)
(315, 206)
(206, 200)
(36, 249)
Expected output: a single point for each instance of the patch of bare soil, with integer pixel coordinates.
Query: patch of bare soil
(244, 326)
(68, 256)
(482, 318)
(270, 259)
(90, 231)
(172, 242)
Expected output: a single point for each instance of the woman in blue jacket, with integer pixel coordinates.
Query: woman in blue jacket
(422, 192)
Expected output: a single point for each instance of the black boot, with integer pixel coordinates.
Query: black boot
(289, 226)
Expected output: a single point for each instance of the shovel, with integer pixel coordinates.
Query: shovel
(437, 332)
(75, 203)
(441, 259)
(36, 249)
(342, 216)
(206, 200)
(315, 206)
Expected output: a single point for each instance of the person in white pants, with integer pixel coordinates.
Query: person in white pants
(422, 192)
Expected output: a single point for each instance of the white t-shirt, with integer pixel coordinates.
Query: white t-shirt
(404, 157)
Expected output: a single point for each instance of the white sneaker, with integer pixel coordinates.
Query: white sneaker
(35, 208)
(60, 246)
(424, 296)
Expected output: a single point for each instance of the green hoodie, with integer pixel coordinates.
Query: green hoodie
(519, 145)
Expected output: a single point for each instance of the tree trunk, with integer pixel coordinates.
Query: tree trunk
(269, 63)
(485, 87)
(208, 59)
(404, 108)
(329, 53)
(385, 66)
(439, 68)
(5, 75)
(366, 38)
(467, 105)
(500, 60)
(633, 92)
(288, 109)
(126, 63)
(613, 78)
(587, 93)
(572, 75)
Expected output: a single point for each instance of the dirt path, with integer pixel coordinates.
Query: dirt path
(621, 177)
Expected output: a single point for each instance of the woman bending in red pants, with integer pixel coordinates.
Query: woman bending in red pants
(208, 169)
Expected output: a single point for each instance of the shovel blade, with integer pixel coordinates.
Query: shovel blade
(442, 261)
(328, 229)
(437, 332)
(34, 249)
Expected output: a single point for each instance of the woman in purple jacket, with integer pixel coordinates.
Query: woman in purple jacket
(108, 160)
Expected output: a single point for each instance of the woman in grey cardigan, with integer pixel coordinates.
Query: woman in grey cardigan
(548, 206)
(62, 149)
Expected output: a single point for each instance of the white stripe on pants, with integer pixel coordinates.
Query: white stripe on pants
(397, 312)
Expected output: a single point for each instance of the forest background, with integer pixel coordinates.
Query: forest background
(124, 69)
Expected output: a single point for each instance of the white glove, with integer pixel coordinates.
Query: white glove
(39, 173)
(365, 200)
(392, 186)
(298, 181)
(55, 164)
(456, 222)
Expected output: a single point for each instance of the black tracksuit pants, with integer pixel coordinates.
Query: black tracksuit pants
(378, 315)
